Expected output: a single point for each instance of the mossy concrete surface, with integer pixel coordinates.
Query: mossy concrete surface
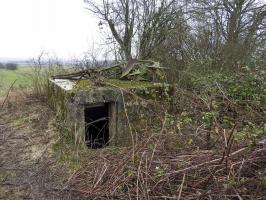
(123, 84)
(122, 96)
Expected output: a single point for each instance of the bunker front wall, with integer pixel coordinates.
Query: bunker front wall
(130, 110)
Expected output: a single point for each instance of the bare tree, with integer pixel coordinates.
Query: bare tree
(158, 21)
(184, 33)
(229, 29)
(119, 16)
(137, 26)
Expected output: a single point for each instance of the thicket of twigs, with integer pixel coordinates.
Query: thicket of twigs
(210, 144)
(207, 142)
(156, 173)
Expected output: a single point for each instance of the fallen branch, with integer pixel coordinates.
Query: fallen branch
(205, 163)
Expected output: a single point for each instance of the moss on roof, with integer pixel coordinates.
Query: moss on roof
(88, 84)
(133, 84)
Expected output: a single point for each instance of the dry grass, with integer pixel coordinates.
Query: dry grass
(159, 174)
(167, 162)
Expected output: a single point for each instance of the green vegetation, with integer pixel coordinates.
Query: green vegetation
(65, 151)
(7, 77)
(133, 84)
(87, 84)
(203, 137)
(214, 124)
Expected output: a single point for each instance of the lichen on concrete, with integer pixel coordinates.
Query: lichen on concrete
(118, 93)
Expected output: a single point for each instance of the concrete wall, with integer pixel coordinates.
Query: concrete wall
(125, 106)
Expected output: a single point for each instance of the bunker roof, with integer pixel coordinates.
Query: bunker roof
(84, 85)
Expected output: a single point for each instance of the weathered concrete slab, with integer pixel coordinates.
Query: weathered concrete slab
(70, 99)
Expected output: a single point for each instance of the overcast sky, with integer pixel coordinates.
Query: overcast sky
(61, 27)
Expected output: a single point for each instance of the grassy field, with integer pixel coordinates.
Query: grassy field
(7, 77)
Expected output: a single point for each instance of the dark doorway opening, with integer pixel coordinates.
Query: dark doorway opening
(97, 125)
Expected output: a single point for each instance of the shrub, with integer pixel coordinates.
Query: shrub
(248, 86)
(43, 68)
(11, 66)
(2, 66)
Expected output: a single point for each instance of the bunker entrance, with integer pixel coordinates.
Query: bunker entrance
(97, 125)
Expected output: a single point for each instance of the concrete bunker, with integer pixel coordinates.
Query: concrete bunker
(98, 112)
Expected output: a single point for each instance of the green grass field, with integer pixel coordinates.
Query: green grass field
(7, 77)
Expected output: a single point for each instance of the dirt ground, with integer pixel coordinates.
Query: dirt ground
(28, 169)
(32, 168)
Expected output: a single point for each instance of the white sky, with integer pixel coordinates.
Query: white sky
(61, 27)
